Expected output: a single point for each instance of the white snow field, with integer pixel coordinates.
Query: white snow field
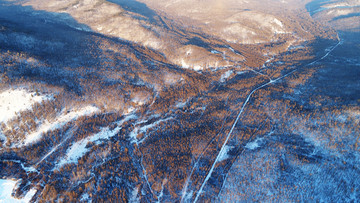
(59, 122)
(78, 149)
(17, 100)
(6, 188)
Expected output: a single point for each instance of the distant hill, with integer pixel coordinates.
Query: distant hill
(179, 101)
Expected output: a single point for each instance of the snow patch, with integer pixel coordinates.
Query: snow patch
(14, 101)
(342, 118)
(27, 169)
(170, 78)
(224, 153)
(354, 115)
(254, 144)
(188, 52)
(140, 98)
(295, 47)
(133, 134)
(78, 149)
(85, 197)
(134, 195)
(278, 22)
(215, 52)
(320, 9)
(198, 68)
(340, 5)
(186, 197)
(226, 75)
(129, 110)
(6, 188)
(181, 104)
(240, 72)
(59, 122)
(184, 64)
(339, 12)
(233, 50)
(187, 66)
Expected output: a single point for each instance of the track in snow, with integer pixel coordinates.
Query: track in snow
(242, 109)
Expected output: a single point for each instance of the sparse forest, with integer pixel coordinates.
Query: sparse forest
(114, 101)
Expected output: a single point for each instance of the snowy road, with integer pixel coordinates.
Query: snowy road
(242, 110)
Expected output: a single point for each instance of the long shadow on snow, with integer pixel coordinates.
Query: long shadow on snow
(58, 41)
(136, 7)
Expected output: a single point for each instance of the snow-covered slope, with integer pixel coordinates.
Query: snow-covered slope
(6, 189)
(176, 101)
(13, 101)
(59, 122)
(342, 15)
(175, 27)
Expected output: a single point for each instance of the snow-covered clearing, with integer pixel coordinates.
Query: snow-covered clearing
(254, 144)
(224, 154)
(187, 66)
(339, 12)
(17, 100)
(6, 188)
(54, 148)
(215, 52)
(181, 104)
(59, 122)
(134, 195)
(291, 47)
(85, 197)
(278, 22)
(144, 129)
(226, 75)
(342, 5)
(78, 149)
